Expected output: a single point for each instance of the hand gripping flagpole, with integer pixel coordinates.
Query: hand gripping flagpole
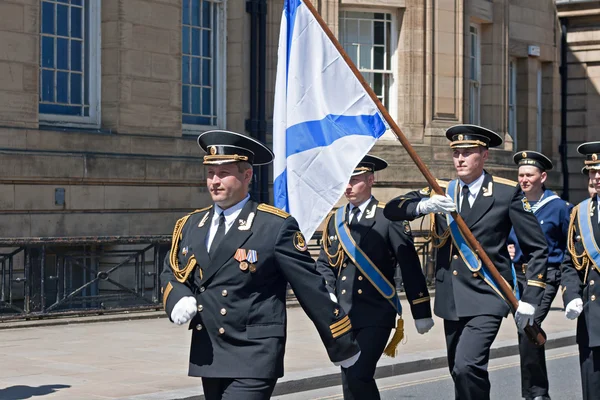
(534, 332)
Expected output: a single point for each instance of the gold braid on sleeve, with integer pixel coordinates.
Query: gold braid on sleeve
(437, 241)
(336, 259)
(181, 274)
(580, 261)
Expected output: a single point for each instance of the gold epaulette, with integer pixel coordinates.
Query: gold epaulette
(181, 274)
(272, 210)
(504, 181)
(381, 204)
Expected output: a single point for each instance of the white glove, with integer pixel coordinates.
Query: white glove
(332, 297)
(524, 315)
(436, 204)
(424, 325)
(348, 362)
(574, 308)
(184, 310)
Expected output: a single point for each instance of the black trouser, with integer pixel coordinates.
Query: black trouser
(534, 376)
(238, 388)
(589, 360)
(357, 381)
(468, 342)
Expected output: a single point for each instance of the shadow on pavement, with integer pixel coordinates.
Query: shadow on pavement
(20, 392)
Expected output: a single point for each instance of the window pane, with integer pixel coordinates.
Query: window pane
(206, 51)
(365, 57)
(76, 23)
(185, 40)
(378, 58)
(62, 20)
(47, 52)
(76, 87)
(185, 99)
(195, 17)
(352, 31)
(47, 85)
(378, 84)
(206, 73)
(186, 12)
(365, 33)
(206, 102)
(76, 55)
(195, 100)
(185, 69)
(62, 87)
(196, 42)
(62, 53)
(206, 13)
(48, 18)
(195, 71)
(352, 51)
(379, 35)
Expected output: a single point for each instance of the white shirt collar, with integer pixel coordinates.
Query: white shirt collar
(474, 186)
(362, 207)
(231, 213)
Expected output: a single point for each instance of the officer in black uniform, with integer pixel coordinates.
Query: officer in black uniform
(466, 297)
(387, 244)
(581, 276)
(227, 274)
(553, 214)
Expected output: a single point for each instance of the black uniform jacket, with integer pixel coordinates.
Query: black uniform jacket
(499, 206)
(240, 327)
(387, 244)
(581, 278)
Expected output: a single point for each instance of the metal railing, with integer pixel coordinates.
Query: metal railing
(76, 276)
(47, 277)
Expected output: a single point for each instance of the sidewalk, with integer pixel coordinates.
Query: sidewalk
(147, 359)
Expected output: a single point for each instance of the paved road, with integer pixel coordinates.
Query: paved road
(562, 364)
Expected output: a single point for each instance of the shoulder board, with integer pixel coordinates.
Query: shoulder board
(272, 210)
(426, 190)
(200, 210)
(381, 204)
(504, 181)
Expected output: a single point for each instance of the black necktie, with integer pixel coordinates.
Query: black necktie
(465, 207)
(354, 215)
(219, 235)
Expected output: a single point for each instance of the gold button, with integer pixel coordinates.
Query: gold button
(223, 311)
(475, 275)
(593, 297)
(455, 272)
(202, 289)
(224, 293)
(592, 282)
(199, 327)
(221, 331)
(344, 265)
(455, 257)
(200, 307)
(343, 291)
(343, 278)
(360, 278)
(359, 291)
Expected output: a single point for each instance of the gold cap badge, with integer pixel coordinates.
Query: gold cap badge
(524, 154)
(460, 137)
(212, 150)
(594, 157)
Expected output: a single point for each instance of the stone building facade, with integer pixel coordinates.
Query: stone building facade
(101, 100)
(580, 21)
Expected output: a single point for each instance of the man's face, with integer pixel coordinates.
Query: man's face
(595, 180)
(227, 185)
(468, 162)
(358, 189)
(531, 179)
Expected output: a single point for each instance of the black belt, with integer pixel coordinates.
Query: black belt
(523, 267)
